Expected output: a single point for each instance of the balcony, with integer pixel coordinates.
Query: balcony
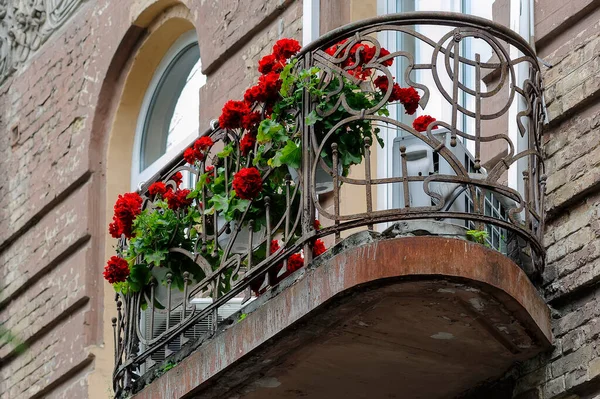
(409, 296)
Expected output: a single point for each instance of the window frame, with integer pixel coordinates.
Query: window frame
(138, 177)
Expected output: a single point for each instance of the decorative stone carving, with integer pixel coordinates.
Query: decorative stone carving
(25, 25)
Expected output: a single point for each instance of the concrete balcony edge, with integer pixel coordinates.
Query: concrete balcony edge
(347, 267)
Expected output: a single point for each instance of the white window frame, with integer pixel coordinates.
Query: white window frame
(138, 177)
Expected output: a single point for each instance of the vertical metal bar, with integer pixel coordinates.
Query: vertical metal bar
(169, 281)
(286, 227)
(369, 194)
(268, 222)
(250, 234)
(336, 190)
(477, 111)
(456, 55)
(203, 215)
(186, 281)
(268, 243)
(404, 176)
(527, 195)
(116, 338)
(151, 307)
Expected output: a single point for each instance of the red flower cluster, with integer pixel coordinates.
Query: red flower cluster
(178, 199)
(247, 143)
(232, 114)
(247, 183)
(274, 247)
(319, 248)
(127, 207)
(251, 120)
(196, 152)
(409, 97)
(285, 48)
(177, 178)
(359, 55)
(270, 63)
(420, 124)
(116, 270)
(267, 89)
(317, 224)
(295, 262)
(158, 188)
(209, 170)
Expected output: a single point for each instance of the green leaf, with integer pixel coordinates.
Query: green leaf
(291, 155)
(227, 150)
(384, 111)
(269, 130)
(287, 78)
(220, 202)
(156, 257)
(312, 118)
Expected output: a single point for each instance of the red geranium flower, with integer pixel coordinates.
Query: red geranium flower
(254, 94)
(177, 178)
(410, 98)
(158, 188)
(285, 48)
(233, 113)
(126, 208)
(270, 63)
(113, 229)
(319, 248)
(251, 120)
(295, 262)
(384, 52)
(247, 183)
(317, 224)
(178, 199)
(420, 124)
(269, 84)
(209, 175)
(116, 270)
(247, 143)
(274, 247)
(203, 143)
(381, 82)
(191, 155)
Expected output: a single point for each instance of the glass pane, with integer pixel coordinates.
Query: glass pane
(174, 111)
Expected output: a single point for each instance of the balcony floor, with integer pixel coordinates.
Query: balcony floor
(412, 317)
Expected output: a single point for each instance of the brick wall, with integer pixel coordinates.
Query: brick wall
(52, 186)
(568, 37)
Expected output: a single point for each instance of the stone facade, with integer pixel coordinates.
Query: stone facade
(56, 91)
(60, 74)
(568, 37)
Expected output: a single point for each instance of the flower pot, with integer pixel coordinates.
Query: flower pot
(240, 245)
(323, 180)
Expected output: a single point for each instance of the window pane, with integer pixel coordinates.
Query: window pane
(174, 111)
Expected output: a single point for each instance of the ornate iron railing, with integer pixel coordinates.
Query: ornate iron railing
(486, 167)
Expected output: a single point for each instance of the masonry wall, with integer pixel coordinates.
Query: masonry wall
(55, 110)
(568, 37)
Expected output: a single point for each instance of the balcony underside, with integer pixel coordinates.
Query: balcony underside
(412, 317)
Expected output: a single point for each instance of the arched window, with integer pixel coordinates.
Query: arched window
(169, 116)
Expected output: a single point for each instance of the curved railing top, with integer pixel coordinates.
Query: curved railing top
(450, 19)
